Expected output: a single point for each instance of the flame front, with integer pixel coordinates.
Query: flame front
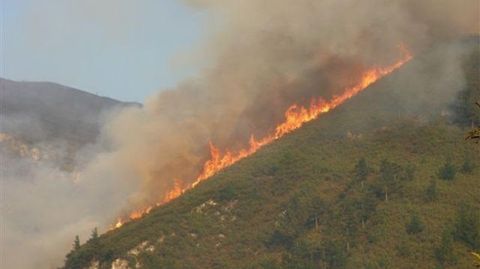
(295, 117)
(175, 192)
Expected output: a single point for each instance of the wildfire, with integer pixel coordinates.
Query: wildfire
(178, 189)
(133, 216)
(295, 117)
(175, 192)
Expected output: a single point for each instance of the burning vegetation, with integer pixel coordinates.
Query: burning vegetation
(295, 117)
(263, 71)
(304, 195)
(319, 200)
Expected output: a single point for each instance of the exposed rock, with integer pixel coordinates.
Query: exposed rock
(150, 248)
(120, 264)
(208, 204)
(136, 250)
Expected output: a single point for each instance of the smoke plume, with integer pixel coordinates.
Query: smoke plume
(43, 205)
(262, 57)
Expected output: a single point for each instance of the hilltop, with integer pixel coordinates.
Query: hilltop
(45, 111)
(384, 181)
(45, 120)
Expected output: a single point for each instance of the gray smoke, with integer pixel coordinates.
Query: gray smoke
(43, 206)
(261, 57)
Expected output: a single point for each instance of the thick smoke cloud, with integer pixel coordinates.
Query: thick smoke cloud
(263, 56)
(43, 206)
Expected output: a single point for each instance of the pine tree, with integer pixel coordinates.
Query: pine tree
(76, 243)
(389, 175)
(361, 170)
(94, 235)
(94, 238)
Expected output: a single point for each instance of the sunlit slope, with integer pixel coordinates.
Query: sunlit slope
(300, 202)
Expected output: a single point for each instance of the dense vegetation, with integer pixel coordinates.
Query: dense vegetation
(355, 189)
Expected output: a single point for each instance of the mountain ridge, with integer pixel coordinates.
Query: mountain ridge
(54, 109)
(305, 201)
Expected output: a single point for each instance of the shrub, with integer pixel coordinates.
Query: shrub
(447, 171)
(415, 225)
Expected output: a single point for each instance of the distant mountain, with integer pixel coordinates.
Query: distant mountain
(40, 111)
(44, 121)
(384, 181)
(44, 111)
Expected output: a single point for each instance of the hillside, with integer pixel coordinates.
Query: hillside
(44, 111)
(385, 181)
(48, 121)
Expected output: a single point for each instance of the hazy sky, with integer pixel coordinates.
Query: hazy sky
(125, 49)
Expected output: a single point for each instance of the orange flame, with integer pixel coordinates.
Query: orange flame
(295, 117)
(178, 189)
(175, 192)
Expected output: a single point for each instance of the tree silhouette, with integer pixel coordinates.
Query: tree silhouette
(389, 175)
(361, 170)
(94, 233)
(76, 243)
(475, 133)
